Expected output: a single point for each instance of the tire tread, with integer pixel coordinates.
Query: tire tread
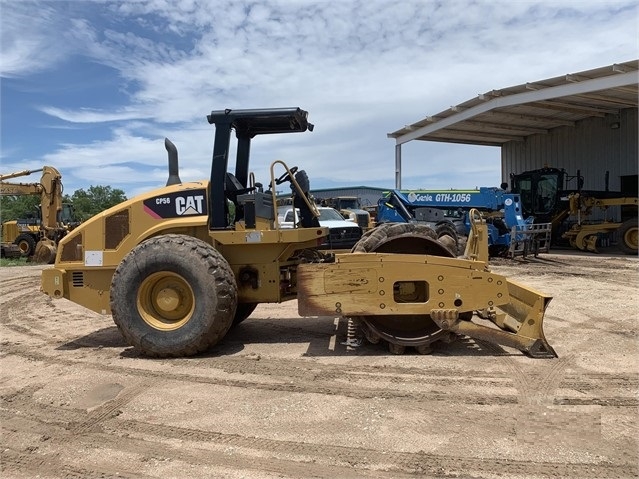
(201, 253)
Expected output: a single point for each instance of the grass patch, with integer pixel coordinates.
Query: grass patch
(13, 262)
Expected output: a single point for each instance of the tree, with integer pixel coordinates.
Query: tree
(85, 203)
(22, 206)
(95, 200)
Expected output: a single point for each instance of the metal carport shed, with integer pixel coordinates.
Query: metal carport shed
(583, 121)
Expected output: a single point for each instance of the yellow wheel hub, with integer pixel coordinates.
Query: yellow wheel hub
(165, 301)
(631, 238)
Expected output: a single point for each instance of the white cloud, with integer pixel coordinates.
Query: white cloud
(90, 115)
(123, 148)
(362, 69)
(27, 38)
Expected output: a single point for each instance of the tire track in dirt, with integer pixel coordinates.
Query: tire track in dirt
(240, 460)
(317, 373)
(608, 273)
(588, 381)
(285, 383)
(420, 462)
(17, 281)
(537, 386)
(207, 447)
(115, 437)
(110, 409)
(28, 331)
(292, 369)
(17, 299)
(22, 405)
(416, 400)
(72, 425)
(268, 366)
(74, 421)
(14, 295)
(9, 281)
(598, 401)
(19, 464)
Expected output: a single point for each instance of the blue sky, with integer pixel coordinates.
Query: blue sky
(93, 87)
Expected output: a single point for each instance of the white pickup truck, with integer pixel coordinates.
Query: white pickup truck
(343, 234)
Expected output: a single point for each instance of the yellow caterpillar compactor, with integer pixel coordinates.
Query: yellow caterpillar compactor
(179, 266)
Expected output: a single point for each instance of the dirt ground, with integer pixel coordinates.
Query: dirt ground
(281, 397)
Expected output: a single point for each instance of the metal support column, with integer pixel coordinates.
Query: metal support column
(398, 167)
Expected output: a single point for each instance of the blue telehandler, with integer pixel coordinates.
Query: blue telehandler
(446, 211)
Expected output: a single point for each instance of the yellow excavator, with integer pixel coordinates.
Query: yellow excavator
(179, 266)
(36, 239)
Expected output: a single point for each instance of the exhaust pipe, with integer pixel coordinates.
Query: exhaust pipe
(174, 177)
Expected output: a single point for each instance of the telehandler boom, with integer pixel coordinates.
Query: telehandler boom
(179, 266)
(509, 234)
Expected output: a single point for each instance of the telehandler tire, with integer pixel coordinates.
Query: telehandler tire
(173, 295)
(409, 238)
(445, 229)
(26, 243)
(628, 238)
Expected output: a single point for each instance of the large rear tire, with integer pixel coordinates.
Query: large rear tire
(26, 244)
(244, 310)
(173, 295)
(628, 237)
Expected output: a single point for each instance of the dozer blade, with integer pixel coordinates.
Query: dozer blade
(520, 322)
(414, 300)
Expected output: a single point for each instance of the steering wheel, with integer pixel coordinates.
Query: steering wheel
(285, 176)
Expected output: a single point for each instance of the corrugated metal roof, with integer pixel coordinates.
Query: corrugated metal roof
(513, 113)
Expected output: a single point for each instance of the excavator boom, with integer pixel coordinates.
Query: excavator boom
(49, 188)
(16, 174)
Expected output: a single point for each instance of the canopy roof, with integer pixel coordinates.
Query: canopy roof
(512, 114)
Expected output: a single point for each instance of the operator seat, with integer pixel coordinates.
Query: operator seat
(232, 189)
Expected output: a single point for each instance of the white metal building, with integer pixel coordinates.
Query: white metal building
(584, 122)
(368, 195)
